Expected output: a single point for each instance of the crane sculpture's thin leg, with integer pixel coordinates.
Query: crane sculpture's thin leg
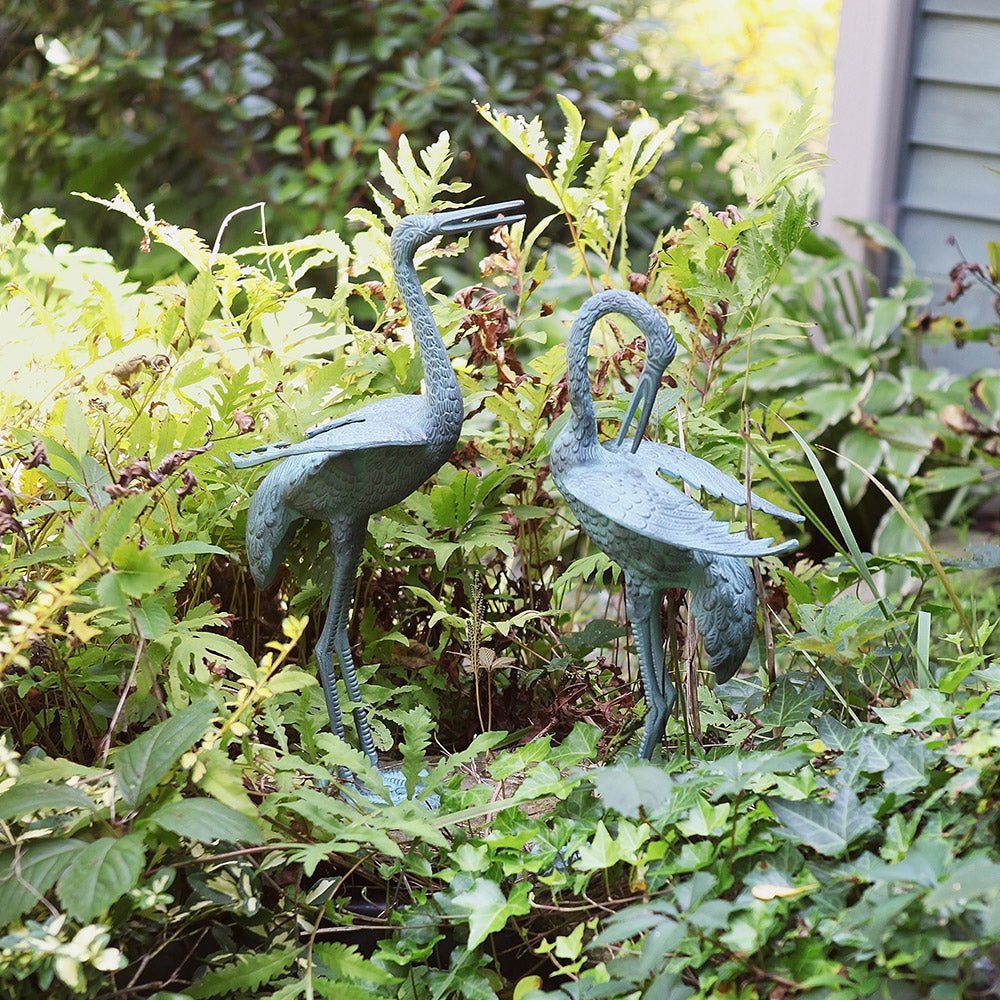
(664, 687)
(346, 542)
(644, 613)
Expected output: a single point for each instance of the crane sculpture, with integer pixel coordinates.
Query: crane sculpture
(350, 468)
(659, 535)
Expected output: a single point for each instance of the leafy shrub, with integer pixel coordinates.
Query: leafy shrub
(201, 107)
(170, 823)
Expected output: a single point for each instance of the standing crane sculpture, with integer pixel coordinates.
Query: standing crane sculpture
(659, 535)
(350, 468)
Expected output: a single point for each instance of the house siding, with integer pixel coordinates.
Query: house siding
(947, 190)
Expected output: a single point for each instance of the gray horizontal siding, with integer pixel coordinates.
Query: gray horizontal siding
(983, 9)
(955, 116)
(959, 50)
(951, 148)
(953, 182)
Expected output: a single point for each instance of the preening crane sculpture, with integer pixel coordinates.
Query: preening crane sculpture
(353, 467)
(659, 535)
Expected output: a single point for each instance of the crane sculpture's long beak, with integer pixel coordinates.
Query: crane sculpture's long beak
(645, 395)
(463, 220)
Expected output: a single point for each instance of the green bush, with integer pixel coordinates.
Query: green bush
(823, 825)
(206, 107)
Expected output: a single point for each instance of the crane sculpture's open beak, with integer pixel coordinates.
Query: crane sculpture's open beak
(644, 396)
(463, 220)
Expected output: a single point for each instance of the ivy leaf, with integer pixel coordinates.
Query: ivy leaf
(907, 770)
(485, 905)
(100, 874)
(206, 820)
(788, 703)
(827, 829)
(27, 874)
(142, 765)
(634, 789)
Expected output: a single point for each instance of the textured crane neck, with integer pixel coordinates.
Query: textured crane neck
(615, 300)
(443, 394)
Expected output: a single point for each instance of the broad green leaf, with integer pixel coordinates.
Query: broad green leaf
(828, 829)
(923, 709)
(207, 820)
(100, 874)
(596, 633)
(602, 851)
(201, 299)
(634, 789)
(137, 571)
(29, 799)
(28, 872)
(485, 905)
(146, 761)
(908, 761)
(788, 703)
(973, 878)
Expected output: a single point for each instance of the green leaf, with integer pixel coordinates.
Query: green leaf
(633, 789)
(907, 770)
(596, 633)
(100, 874)
(788, 703)
(485, 905)
(827, 829)
(344, 962)
(28, 872)
(137, 571)
(146, 761)
(207, 820)
(200, 302)
(973, 878)
(29, 799)
(245, 976)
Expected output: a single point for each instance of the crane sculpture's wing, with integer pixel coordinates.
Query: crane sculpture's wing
(659, 511)
(355, 432)
(654, 458)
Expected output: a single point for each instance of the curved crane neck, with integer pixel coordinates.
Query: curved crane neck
(443, 394)
(652, 325)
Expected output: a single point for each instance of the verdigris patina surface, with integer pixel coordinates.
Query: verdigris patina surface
(659, 535)
(353, 467)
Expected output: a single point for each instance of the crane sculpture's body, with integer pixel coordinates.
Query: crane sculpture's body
(353, 467)
(659, 535)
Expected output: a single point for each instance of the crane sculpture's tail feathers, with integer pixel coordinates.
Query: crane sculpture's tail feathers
(725, 608)
(270, 524)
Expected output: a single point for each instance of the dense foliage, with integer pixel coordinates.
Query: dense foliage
(823, 825)
(203, 107)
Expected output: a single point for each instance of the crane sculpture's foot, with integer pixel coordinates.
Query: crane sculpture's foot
(394, 788)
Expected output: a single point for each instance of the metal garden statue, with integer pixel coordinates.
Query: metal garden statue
(353, 467)
(659, 535)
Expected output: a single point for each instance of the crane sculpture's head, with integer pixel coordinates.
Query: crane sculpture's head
(660, 350)
(414, 231)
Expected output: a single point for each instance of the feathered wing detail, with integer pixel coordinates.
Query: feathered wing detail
(395, 421)
(725, 607)
(666, 515)
(654, 458)
(270, 524)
